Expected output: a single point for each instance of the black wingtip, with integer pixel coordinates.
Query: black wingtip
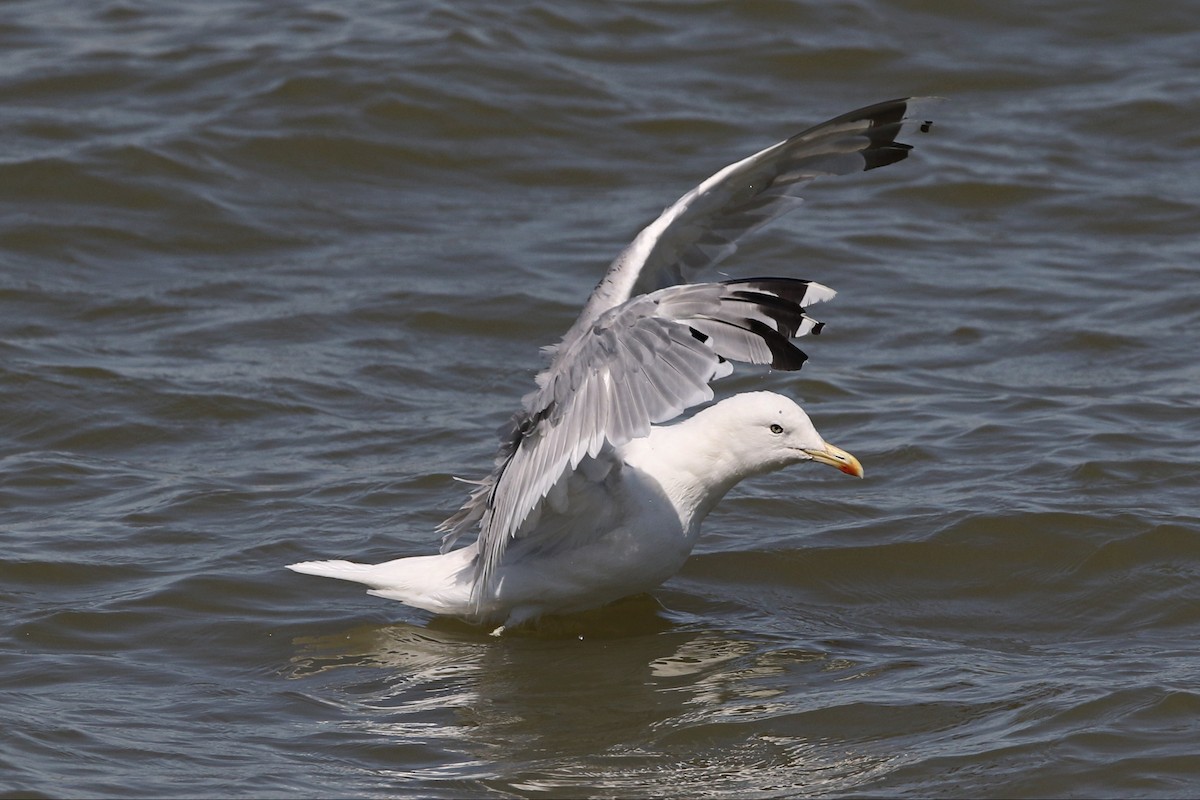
(791, 359)
(887, 120)
(784, 355)
(794, 290)
(887, 154)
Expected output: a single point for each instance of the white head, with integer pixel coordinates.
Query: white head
(698, 460)
(767, 431)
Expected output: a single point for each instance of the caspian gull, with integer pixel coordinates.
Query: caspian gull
(592, 498)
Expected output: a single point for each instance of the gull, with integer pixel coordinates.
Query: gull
(594, 496)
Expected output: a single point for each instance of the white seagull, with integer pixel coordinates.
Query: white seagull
(592, 498)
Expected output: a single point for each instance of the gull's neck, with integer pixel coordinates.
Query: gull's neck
(696, 462)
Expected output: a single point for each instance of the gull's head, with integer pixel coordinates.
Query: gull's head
(773, 432)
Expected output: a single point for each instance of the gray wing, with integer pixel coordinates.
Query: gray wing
(640, 363)
(703, 227)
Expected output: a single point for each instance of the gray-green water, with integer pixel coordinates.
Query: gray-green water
(272, 273)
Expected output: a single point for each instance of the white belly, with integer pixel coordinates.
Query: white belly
(635, 554)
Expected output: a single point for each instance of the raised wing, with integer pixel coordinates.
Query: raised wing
(640, 363)
(704, 226)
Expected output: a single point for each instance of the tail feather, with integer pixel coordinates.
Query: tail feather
(342, 570)
(437, 583)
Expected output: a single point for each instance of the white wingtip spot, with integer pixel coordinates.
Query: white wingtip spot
(818, 293)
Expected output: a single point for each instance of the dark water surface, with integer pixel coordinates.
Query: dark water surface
(272, 273)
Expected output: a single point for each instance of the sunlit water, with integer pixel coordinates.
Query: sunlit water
(271, 274)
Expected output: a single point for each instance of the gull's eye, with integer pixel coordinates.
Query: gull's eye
(776, 428)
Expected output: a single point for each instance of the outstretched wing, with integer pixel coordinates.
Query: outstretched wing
(640, 363)
(704, 226)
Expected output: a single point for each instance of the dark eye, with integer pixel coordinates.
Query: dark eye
(776, 428)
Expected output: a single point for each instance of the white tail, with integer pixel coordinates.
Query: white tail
(342, 570)
(438, 583)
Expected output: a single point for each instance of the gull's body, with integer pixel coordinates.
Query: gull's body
(592, 497)
(621, 526)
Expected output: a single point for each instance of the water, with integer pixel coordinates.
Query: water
(270, 274)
